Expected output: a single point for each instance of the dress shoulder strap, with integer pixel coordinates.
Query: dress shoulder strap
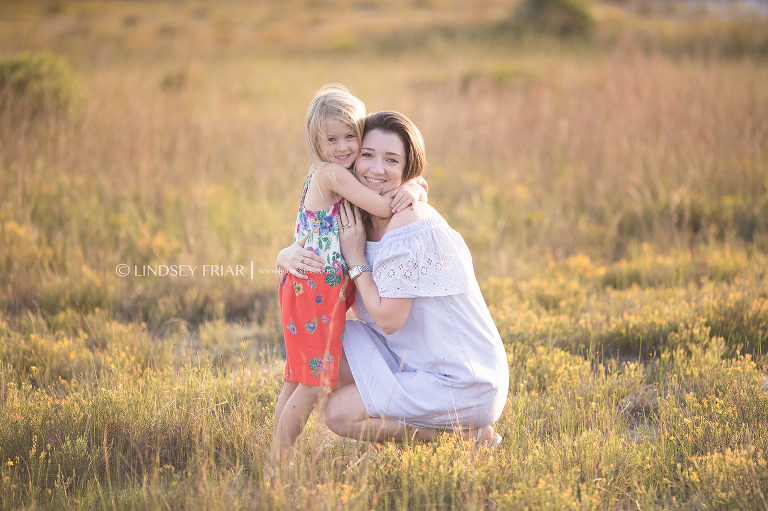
(306, 185)
(307, 181)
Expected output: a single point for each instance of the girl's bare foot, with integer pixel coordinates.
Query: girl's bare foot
(271, 471)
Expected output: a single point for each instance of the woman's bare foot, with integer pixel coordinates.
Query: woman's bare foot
(485, 437)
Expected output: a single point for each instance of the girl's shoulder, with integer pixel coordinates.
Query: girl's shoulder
(319, 194)
(329, 169)
(326, 175)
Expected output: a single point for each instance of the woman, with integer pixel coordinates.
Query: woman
(425, 352)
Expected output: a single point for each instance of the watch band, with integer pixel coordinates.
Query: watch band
(358, 269)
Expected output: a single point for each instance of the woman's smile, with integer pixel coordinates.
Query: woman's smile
(381, 162)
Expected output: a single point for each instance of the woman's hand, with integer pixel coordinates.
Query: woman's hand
(351, 235)
(389, 313)
(298, 260)
(409, 193)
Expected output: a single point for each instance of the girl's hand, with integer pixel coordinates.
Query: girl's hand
(299, 261)
(422, 183)
(352, 235)
(409, 193)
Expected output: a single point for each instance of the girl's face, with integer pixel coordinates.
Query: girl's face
(343, 144)
(382, 161)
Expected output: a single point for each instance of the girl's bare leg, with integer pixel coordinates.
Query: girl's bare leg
(288, 389)
(345, 378)
(294, 416)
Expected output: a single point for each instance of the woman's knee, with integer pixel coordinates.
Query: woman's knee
(332, 411)
(343, 408)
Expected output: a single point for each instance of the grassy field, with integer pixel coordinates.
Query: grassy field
(606, 164)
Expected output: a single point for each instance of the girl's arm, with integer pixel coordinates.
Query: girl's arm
(389, 313)
(402, 196)
(335, 178)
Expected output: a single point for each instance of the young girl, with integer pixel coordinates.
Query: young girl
(313, 306)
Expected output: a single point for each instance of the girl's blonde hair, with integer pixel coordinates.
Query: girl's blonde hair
(332, 101)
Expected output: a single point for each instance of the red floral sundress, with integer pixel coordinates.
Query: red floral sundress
(314, 310)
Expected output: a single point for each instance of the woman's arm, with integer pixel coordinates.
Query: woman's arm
(389, 313)
(299, 261)
(336, 178)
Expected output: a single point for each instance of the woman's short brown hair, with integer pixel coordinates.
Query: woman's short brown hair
(400, 125)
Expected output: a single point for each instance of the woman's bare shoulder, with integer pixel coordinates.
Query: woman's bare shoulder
(408, 215)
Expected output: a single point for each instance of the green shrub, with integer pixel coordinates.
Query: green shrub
(35, 84)
(83, 291)
(564, 17)
(730, 480)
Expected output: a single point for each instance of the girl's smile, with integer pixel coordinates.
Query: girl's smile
(343, 144)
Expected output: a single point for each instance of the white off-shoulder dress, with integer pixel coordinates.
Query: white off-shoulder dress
(446, 367)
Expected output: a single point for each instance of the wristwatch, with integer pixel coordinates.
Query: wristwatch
(358, 269)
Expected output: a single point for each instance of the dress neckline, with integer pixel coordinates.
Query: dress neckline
(408, 227)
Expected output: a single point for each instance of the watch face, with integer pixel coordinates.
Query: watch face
(358, 270)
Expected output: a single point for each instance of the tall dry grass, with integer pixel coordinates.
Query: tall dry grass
(194, 163)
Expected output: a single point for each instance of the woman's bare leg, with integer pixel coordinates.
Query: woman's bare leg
(345, 415)
(345, 373)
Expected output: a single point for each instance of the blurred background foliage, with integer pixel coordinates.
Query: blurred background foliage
(171, 133)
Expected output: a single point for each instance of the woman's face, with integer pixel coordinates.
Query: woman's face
(381, 162)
